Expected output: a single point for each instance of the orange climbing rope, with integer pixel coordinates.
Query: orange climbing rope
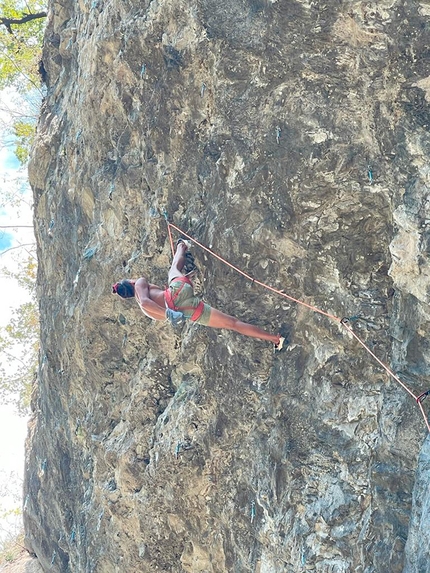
(255, 281)
(343, 321)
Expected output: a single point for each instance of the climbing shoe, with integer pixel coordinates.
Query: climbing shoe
(280, 345)
(189, 265)
(175, 317)
(185, 241)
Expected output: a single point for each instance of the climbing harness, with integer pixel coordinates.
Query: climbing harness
(345, 322)
(170, 299)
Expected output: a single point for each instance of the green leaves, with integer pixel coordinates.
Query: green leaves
(21, 35)
(19, 343)
(24, 133)
(12, 547)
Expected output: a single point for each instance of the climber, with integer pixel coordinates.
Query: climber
(178, 303)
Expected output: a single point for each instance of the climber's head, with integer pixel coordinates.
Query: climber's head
(124, 289)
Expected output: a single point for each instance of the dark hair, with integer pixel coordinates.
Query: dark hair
(125, 289)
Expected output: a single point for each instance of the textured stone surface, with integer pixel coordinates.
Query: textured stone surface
(418, 546)
(254, 125)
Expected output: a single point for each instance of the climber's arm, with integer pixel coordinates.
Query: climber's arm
(148, 306)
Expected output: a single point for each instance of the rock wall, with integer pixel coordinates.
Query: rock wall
(418, 545)
(292, 138)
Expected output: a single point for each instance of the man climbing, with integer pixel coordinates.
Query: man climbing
(178, 303)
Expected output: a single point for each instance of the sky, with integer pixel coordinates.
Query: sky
(13, 427)
(8, 165)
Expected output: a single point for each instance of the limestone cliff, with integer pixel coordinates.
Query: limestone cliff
(292, 137)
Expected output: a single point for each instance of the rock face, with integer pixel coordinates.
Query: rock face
(291, 137)
(418, 545)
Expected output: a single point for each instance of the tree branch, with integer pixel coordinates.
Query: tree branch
(9, 355)
(9, 22)
(17, 247)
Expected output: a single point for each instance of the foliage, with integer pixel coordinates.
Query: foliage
(11, 548)
(11, 527)
(20, 43)
(21, 34)
(24, 133)
(18, 120)
(19, 343)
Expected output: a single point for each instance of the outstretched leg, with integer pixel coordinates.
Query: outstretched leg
(178, 261)
(220, 320)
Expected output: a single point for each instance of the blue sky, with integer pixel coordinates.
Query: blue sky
(8, 164)
(6, 240)
(10, 169)
(9, 160)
